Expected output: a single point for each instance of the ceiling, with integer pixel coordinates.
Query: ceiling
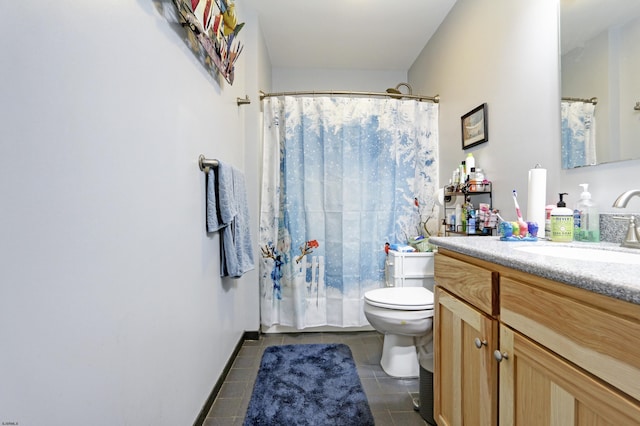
(348, 34)
(584, 19)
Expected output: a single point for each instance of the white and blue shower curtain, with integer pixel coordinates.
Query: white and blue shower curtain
(341, 176)
(578, 134)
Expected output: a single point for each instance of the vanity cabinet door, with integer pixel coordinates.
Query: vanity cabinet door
(599, 334)
(465, 372)
(538, 387)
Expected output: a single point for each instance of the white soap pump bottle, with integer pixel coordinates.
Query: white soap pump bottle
(586, 219)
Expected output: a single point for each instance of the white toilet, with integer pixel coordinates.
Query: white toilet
(403, 312)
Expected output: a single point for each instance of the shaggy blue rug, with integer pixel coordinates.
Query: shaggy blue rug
(314, 384)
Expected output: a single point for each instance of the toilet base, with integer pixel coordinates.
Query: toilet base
(399, 356)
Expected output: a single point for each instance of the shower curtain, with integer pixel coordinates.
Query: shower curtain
(341, 177)
(578, 134)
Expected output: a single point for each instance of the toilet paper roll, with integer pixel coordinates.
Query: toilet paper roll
(536, 198)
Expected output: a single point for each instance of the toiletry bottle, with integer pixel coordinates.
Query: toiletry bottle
(562, 222)
(471, 222)
(463, 173)
(472, 180)
(586, 219)
(463, 217)
(547, 219)
(469, 163)
(458, 221)
(456, 178)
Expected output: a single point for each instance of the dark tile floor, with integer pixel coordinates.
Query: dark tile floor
(390, 399)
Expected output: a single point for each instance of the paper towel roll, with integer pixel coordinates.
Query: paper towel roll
(537, 198)
(440, 198)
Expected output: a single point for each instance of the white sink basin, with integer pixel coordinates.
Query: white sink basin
(587, 254)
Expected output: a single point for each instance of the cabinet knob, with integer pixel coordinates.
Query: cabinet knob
(479, 343)
(499, 356)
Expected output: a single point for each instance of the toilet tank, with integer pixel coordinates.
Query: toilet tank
(409, 269)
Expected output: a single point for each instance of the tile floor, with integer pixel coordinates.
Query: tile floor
(390, 399)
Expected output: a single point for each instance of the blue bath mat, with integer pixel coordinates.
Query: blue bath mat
(314, 384)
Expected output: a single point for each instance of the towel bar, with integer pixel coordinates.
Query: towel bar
(204, 164)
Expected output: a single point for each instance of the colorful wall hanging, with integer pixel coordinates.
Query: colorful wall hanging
(212, 28)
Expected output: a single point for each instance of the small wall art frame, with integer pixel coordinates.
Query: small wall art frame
(475, 127)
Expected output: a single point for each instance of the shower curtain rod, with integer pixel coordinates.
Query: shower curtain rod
(434, 99)
(593, 100)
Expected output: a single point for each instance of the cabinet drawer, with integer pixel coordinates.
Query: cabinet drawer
(476, 285)
(602, 342)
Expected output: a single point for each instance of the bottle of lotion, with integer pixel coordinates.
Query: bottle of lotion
(561, 222)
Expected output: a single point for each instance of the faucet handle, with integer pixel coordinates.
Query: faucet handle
(632, 239)
(630, 218)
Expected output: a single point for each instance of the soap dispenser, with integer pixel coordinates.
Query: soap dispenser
(561, 221)
(586, 219)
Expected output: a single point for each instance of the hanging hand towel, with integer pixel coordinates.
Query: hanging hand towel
(242, 233)
(214, 219)
(236, 248)
(226, 198)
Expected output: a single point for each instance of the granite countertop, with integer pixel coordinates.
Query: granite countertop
(620, 281)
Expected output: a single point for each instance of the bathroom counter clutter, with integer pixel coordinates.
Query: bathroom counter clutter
(610, 274)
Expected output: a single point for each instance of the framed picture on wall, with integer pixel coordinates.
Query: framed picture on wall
(475, 129)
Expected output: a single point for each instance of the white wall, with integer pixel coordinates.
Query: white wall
(505, 53)
(303, 79)
(112, 311)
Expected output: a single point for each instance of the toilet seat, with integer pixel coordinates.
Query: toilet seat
(400, 298)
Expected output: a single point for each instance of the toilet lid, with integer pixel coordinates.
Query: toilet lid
(401, 298)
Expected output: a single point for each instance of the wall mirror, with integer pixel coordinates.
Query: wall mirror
(600, 78)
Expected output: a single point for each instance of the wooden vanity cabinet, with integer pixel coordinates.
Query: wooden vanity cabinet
(565, 356)
(466, 334)
(537, 387)
(574, 355)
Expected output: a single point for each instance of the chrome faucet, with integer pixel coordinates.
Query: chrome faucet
(632, 238)
(623, 198)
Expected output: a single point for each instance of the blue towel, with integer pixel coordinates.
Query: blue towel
(229, 211)
(238, 250)
(226, 194)
(214, 219)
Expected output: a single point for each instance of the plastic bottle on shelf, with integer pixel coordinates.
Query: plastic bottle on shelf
(456, 178)
(470, 162)
(471, 222)
(472, 180)
(586, 219)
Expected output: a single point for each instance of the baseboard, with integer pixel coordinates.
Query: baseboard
(248, 335)
(320, 329)
(251, 335)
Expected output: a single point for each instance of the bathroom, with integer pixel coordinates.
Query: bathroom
(112, 310)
